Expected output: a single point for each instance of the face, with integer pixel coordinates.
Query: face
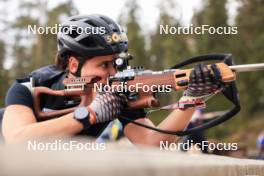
(100, 66)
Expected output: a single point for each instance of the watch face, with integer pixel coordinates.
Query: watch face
(81, 113)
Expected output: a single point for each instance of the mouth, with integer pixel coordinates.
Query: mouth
(96, 79)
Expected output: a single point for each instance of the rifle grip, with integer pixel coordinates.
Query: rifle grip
(182, 78)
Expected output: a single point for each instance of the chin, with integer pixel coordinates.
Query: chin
(103, 81)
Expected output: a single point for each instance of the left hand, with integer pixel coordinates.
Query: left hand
(107, 106)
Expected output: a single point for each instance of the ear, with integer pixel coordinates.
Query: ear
(73, 64)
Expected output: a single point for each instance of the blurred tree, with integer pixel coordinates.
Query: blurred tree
(167, 49)
(32, 51)
(214, 14)
(129, 18)
(2, 56)
(44, 50)
(3, 73)
(21, 47)
(248, 48)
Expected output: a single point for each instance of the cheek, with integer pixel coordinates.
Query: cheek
(104, 76)
(88, 71)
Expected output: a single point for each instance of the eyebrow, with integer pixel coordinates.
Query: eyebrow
(105, 61)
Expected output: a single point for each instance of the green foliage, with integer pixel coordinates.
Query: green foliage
(3, 73)
(134, 33)
(213, 14)
(168, 49)
(42, 51)
(248, 48)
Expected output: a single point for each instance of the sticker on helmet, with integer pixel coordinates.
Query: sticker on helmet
(115, 38)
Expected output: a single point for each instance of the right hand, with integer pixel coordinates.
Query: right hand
(107, 106)
(202, 82)
(202, 85)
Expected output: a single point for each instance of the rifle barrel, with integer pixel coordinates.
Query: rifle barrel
(247, 67)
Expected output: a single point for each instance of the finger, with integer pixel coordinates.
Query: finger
(201, 79)
(216, 71)
(207, 77)
(192, 76)
(205, 71)
(197, 74)
(198, 71)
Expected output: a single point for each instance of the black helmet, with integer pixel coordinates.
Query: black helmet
(91, 35)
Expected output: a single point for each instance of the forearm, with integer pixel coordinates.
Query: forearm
(177, 120)
(64, 126)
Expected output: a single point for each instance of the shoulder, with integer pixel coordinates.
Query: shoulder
(19, 94)
(46, 74)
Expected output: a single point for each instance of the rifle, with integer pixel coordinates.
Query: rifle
(175, 78)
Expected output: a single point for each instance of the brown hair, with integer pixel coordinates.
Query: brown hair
(62, 60)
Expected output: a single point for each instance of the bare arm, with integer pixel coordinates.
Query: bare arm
(176, 120)
(19, 124)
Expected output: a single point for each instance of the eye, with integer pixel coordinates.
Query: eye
(104, 65)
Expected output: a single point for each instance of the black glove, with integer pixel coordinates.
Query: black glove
(202, 82)
(107, 106)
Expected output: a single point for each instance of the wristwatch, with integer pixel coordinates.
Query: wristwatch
(82, 115)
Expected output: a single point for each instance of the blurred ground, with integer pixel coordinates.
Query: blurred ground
(119, 159)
